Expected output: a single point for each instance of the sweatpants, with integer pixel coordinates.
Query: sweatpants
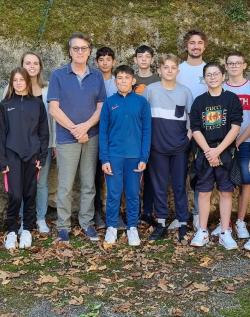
(161, 167)
(123, 179)
(148, 196)
(22, 183)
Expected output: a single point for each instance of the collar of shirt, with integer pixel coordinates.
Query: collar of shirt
(87, 72)
(128, 94)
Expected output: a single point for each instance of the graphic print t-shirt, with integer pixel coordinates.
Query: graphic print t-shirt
(143, 82)
(214, 115)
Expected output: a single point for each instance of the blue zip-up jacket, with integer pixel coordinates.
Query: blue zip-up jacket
(125, 128)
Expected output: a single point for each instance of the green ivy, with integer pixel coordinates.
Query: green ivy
(237, 10)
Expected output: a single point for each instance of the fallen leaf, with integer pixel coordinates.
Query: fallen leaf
(76, 280)
(123, 308)
(47, 279)
(107, 246)
(201, 287)
(148, 275)
(204, 309)
(76, 300)
(206, 261)
(163, 284)
(5, 282)
(230, 287)
(177, 312)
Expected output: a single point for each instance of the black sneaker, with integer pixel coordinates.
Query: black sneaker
(182, 232)
(148, 220)
(159, 232)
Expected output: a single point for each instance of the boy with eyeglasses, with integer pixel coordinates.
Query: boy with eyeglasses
(215, 119)
(237, 83)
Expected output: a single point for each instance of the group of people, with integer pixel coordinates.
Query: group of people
(142, 127)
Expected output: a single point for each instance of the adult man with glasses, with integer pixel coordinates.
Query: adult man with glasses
(76, 93)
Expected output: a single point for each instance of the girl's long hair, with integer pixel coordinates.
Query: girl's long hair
(22, 71)
(40, 79)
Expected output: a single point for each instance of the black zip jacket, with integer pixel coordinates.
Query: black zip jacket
(23, 128)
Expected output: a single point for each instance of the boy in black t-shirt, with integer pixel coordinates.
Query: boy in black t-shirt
(144, 58)
(215, 119)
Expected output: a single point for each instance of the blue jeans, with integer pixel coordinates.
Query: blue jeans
(123, 179)
(42, 195)
(42, 190)
(244, 160)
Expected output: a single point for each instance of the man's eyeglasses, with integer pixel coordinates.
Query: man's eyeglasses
(78, 49)
(210, 75)
(237, 64)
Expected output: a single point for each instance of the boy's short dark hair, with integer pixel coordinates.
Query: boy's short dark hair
(105, 51)
(144, 48)
(124, 69)
(235, 53)
(193, 32)
(214, 64)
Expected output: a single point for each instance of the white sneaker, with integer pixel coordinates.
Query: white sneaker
(200, 239)
(10, 241)
(174, 225)
(241, 229)
(196, 222)
(111, 235)
(42, 226)
(216, 232)
(227, 241)
(247, 245)
(133, 237)
(25, 239)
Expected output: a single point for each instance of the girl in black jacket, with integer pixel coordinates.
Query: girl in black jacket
(24, 137)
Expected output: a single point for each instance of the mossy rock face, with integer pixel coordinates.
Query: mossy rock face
(123, 25)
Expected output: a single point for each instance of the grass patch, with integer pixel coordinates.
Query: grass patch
(89, 277)
(244, 300)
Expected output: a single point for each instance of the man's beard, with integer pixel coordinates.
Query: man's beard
(194, 56)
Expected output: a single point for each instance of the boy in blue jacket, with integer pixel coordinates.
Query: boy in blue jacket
(124, 141)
